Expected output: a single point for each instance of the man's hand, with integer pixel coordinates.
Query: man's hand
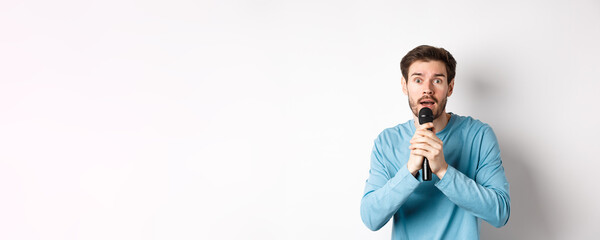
(426, 144)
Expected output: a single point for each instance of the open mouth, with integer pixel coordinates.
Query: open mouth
(427, 103)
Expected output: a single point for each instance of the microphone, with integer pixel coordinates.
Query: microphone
(426, 116)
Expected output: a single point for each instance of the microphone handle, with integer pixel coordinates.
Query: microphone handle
(426, 170)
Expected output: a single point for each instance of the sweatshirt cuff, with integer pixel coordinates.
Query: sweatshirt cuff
(406, 178)
(447, 179)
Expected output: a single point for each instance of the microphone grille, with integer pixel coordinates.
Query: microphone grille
(425, 115)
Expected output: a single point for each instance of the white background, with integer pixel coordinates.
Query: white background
(255, 119)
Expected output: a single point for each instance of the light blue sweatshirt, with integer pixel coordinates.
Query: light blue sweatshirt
(473, 188)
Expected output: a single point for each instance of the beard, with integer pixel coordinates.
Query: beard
(441, 106)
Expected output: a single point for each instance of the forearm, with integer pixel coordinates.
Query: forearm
(490, 203)
(378, 205)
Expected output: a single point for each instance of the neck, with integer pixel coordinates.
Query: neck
(438, 124)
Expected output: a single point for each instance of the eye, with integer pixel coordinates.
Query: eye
(418, 80)
(437, 81)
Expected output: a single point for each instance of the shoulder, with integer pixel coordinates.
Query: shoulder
(475, 129)
(396, 133)
(471, 125)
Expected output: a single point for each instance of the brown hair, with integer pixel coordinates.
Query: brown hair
(428, 53)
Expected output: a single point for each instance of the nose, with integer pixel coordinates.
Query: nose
(428, 89)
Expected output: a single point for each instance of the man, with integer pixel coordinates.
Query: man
(468, 184)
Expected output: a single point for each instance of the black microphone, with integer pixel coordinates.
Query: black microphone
(426, 116)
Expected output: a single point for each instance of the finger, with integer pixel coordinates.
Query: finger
(433, 143)
(424, 132)
(420, 152)
(428, 151)
(427, 134)
(430, 141)
(423, 146)
(423, 153)
(426, 125)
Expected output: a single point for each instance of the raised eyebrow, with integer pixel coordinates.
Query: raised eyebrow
(417, 73)
(439, 75)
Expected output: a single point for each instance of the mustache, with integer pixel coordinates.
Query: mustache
(427, 97)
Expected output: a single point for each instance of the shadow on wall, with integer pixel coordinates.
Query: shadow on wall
(528, 211)
(528, 214)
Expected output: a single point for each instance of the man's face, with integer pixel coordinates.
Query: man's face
(427, 86)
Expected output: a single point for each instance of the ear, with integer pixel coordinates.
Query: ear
(404, 90)
(450, 88)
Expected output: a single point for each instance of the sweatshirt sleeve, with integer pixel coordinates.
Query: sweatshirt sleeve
(487, 196)
(384, 194)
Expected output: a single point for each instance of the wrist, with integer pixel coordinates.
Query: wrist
(441, 171)
(412, 170)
